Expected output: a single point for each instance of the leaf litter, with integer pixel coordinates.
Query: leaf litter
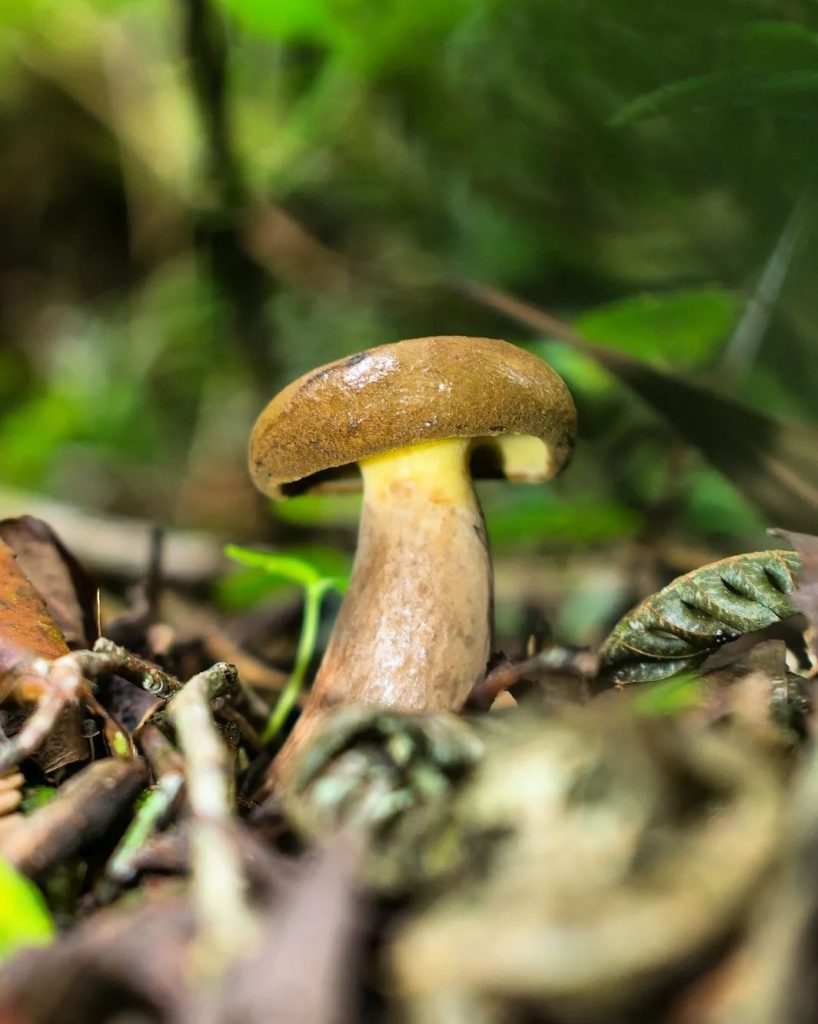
(608, 847)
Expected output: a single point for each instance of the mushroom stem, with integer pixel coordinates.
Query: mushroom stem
(414, 631)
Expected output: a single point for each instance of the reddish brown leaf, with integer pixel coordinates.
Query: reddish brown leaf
(27, 630)
(69, 594)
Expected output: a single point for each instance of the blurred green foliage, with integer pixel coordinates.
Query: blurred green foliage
(670, 696)
(200, 199)
(24, 917)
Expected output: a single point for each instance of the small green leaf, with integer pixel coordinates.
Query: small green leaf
(712, 505)
(766, 47)
(24, 916)
(286, 567)
(694, 615)
(681, 329)
(687, 92)
(120, 747)
(769, 59)
(316, 584)
(247, 587)
(285, 19)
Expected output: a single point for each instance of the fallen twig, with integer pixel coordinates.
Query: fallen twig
(554, 660)
(82, 810)
(144, 674)
(168, 770)
(65, 679)
(226, 922)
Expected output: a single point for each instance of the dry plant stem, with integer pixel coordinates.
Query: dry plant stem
(167, 767)
(583, 664)
(10, 795)
(63, 680)
(149, 677)
(414, 631)
(160, 754)
(250, 735)
(120, 868)
(226, 921)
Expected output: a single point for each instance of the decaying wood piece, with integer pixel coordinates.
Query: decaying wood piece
(82, 810)
(609, 852)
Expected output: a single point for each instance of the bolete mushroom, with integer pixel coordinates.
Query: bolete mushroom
(414, 631)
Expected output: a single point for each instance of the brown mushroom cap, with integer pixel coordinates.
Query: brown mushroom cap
(407, 393)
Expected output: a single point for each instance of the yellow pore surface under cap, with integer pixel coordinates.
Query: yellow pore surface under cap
(436, 471)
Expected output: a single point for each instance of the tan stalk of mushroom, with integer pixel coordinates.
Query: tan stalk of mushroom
(422, 545)
(414, 631)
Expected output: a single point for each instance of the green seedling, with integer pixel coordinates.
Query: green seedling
(315, 585)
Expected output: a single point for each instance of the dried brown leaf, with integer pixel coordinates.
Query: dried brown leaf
(67, 591)
(27, 630)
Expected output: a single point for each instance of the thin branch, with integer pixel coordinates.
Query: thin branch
(64, 680)
(120, 868)
(144, 674)
(554, 661)
(83, 809)
(226, 921)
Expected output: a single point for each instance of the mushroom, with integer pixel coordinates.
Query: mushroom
(414, 631)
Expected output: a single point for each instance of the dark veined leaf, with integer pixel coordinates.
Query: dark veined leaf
(694, 615)
(805, 597)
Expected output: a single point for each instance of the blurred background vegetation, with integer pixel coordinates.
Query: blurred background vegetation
(200, 199)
